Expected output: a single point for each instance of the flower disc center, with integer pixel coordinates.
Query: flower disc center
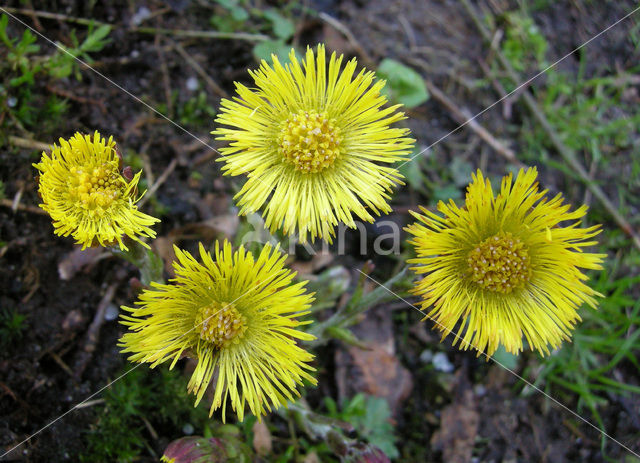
(310, 141)
(500, 263)
(97, 187)
(220, 323)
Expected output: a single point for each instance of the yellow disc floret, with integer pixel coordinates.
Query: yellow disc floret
(310, 141)
(500, 263)
(96, 188)
(220, 324)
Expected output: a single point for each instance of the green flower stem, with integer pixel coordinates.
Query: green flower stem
(336, 325)
(319, 427)
(148, 262)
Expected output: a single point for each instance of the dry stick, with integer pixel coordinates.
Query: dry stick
(337, 25)
(201, 72)
(461, 116)
(567, 153)
(22, 207)
(93, 334)
(29, 144)
(142, 30)
(163, 178)
(164, 70)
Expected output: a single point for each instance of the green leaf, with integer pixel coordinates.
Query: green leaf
(4, 20)
(282, 27)
(239, 14)
(96, 39)
(264, 50)
(460, 172)
(412, 172)
(404, 85)
(505, 359)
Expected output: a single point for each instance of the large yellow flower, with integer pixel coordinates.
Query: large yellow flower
(236, 315)
(315, 144)
(505, 265)
(86, 196)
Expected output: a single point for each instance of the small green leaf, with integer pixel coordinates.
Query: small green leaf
(282, 27)
(505, 359)
(239, 14)
(404, 85)
(460, 172)
(412, 173)
(264, 50)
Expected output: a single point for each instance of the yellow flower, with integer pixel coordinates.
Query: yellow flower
(86, 196)
(315, 144)
(505, 266)
(237, 315)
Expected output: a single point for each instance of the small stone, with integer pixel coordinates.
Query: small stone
(442, 363)
(188, 429)
(111, 312)
(426, 356)
(192, 84)
(140, 15)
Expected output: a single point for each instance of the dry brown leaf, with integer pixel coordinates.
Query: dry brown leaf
(376, 371)
(262, 442)
(458, 429)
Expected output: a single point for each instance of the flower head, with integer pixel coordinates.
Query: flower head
(504, 266)
(85, 194)
(315, 144)
(236, 315)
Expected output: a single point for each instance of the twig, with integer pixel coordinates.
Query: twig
(90, 403)
(408, 30)
(146, 163)
(22, 207)
(165, 76)
(56, 358)
(201, 34)
(215, 88)
(163, 178)
(93, 333)
(79, 99)
(29, 144)
(462, 116)
(333, 22)
(567, 153)
(141, 30)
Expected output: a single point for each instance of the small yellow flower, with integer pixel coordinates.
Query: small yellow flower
(315, 144)
(86, 196)
(504, 266)
(237, 315)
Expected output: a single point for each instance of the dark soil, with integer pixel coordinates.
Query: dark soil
(41, 375)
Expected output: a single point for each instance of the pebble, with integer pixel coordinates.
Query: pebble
(188, 429)
(442, 363)
(142, 14)
(111, 313)
(426, 356)
(192, 84)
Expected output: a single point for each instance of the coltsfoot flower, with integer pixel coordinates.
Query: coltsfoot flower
(315, 143)
(86, 196)
(236, 316)
(504, 266)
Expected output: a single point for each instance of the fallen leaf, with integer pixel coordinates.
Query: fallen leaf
(458, 429)
(376, 370)
(262, 443)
